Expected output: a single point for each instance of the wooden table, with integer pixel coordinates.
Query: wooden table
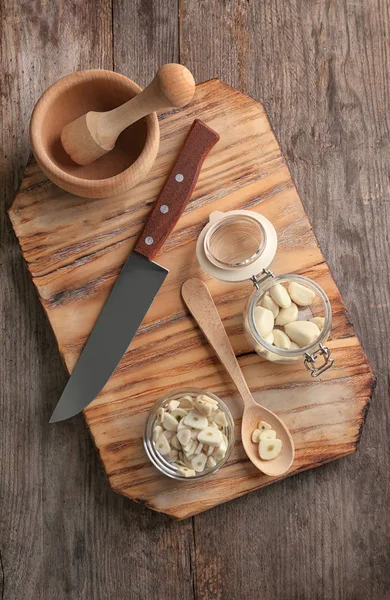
(321, 70)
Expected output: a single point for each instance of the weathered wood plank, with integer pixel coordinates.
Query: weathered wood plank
(61, 525)
(321, 71)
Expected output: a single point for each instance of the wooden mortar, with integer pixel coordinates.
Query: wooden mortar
(69, 98)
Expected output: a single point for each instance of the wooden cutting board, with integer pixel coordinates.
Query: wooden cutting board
(74, 249)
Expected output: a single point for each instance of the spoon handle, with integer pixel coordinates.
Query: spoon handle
(197, 298)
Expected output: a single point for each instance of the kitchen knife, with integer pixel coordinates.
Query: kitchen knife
(138, 282)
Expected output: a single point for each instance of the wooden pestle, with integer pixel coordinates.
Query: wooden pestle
(94, 134)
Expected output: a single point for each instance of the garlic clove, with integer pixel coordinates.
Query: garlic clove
(210, 436)
(268, 434)
(186, 472)
(319, 321)
(186, 402)
(256, 436)
(301, 294)
(287, 315)
(220, 419)
(281, 340)
(173, 405)
(263, 426)
(211, 462)
(162, 445)
(280, 295)
(196, 420)
(205, 408)
(198, 462)
(175, 442)
(184, 436)
(264, 320)
(170, 422)
(269, 449)
(267, 302)
(302, 333)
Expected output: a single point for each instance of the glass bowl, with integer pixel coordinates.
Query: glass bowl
(170, 469)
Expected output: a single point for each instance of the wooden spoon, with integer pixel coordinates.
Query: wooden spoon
(94, 134)
(197, 297)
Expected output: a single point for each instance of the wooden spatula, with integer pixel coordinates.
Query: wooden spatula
(94, 134)
(197, 297)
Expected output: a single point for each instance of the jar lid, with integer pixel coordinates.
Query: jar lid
(236, 245)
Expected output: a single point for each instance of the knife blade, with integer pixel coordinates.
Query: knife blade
(138, 281)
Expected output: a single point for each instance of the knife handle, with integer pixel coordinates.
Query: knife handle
(177, 189)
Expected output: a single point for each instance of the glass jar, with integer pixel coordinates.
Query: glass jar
(170, 469)
(240, 245)
(320, 307)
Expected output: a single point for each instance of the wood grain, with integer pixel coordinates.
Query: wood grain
(61, 526)
(321, 70)
(245, 169)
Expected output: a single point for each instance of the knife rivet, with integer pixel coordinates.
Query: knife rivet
(179, 177)
(149, 241)
(164, 209)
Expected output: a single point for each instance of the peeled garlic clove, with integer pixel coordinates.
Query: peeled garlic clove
(267, 302)
(205, 408)
(173, 405)
(281, 340)
(175, 442)
(220, 452)
(198, 448)
(185, 472)
(184, 436)
(263, 426)
(186, 402)
(269, 434)
(264, 320)
(180, 412)
(268, 338)
(300, 294)
(195, 420)
(162, 445)
(208, 399)
(211, 462)
(210, 449)
(319, 321)
(220, 418)
(168, 434)
(157, 431)
(170, 422)
(269, 449)
(189, 450)
(302, 333)
(198, 462)
(181, 425)
(280, 295)
(160, 414)
(256, 436)
(172, 456)
(287, 315)
(210, 436)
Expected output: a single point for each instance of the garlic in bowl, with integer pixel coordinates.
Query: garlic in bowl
(189, 434)
(289, 318)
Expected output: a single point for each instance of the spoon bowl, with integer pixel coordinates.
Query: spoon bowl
(197, 297)
(253, 413)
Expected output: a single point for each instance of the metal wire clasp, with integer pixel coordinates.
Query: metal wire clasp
(257, 279)
(310, 360)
